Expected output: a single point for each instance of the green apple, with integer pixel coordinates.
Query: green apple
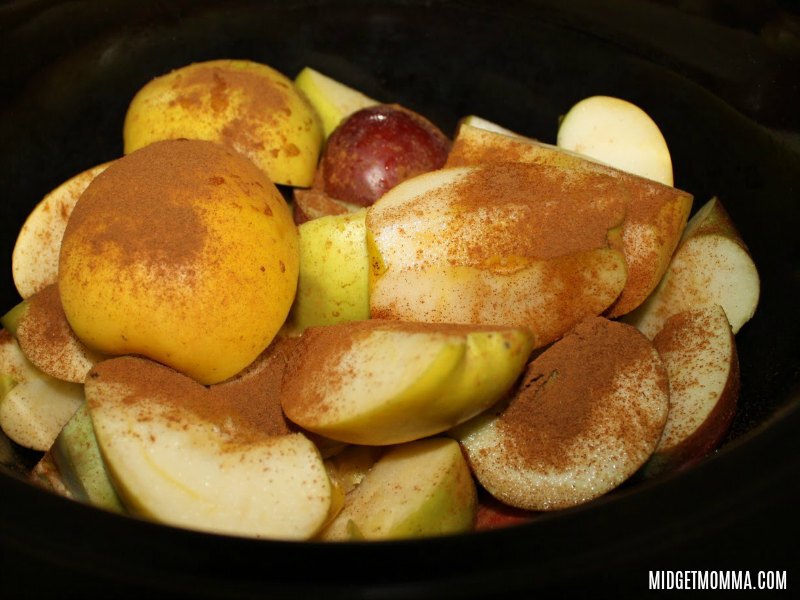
(333, 286)
(617, 133)
(699, 351)
(173, 463)
(655, 214)
(586, 416)
(386, 382)
(34, 261)
(80, 464)
(47, 340)
(35, 406)
(711, 265)
(419, 489)
(332, 99)
(480, 245)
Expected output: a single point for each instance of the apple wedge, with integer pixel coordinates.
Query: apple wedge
(33, 406)
(333, 286)
(419, 489)
(77, 456)
(34, 261)
(481, 123)
(712, 265)
(47, 340)
(176, 456)
(385, 382)
(332, 99)
(511, 244)
(655, 214)
(587, 415)
(312, 203)
(617, 133)
(699, 351)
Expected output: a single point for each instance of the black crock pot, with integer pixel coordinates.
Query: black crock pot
(720, 78)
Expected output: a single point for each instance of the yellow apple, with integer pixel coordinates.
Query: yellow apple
(617, 133)
(34, 262)
(184, 252)
(333, 286)
(419, 489)
(246, 106)
(711, 265)
(655, 214)
(511, 244)
(332, 99)
(386, 382)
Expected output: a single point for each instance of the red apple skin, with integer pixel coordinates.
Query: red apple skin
(493, 514)
(376, 148)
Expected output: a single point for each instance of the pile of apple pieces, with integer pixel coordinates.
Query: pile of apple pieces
(408, 369)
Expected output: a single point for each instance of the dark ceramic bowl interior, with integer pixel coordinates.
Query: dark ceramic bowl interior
(722, 86)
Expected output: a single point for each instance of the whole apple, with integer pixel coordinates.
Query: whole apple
(376, 148)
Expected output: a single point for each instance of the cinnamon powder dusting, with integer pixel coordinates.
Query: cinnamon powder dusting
(564, 391)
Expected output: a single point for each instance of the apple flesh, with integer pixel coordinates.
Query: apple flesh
(699, 351)
(480, 245)
(711, 266)
(376, 148)
(333, 285)
(617, 133)
(312, 203)
(588, 413)
(172, 463)
(34, 261)
(387, 382)
(419, 489)
(47, 340)
(246, 106)
(333, 100)
(485, 124)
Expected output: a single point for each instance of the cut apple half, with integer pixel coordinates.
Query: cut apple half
(711, 266)
(387, 382)
(617, 133)
(174, 464)
(34, 261)
(419, 489)
(332, 99)
(511, 244)
(655, 214)
(587, 415)
(699, 351)
(47, 340)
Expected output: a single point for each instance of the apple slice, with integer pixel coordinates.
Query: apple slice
(77, 456)
(699, 351)
(350, 466)
(655, 214)
(617, 133)
(588, 413)
(332, 99)
(419, 489)
(177, 456)
(333, 286)
(386, 382)
(33, 406)
(34, 261)
(712, 265)
(47, 340)
(510, 244)
(313, 203)
(485, 124)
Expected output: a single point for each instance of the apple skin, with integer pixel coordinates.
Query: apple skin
(249, 107)
(333, 100)
(207, 301)
(493, 514)
(376, 148)
(619, 134)
(419, 489)
(699, 350)
(649, 237)
(34, 261)
(711, 265)
(333, 284)
(386, 382)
